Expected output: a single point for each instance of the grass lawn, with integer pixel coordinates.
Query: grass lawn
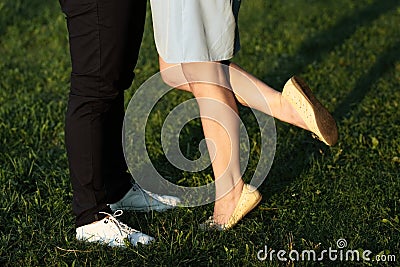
(347, 50)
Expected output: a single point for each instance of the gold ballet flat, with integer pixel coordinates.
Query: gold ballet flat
(248, 200)
(314, 114)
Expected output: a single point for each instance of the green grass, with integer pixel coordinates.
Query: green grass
(349, 51)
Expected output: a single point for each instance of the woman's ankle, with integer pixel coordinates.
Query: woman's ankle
(225, 206)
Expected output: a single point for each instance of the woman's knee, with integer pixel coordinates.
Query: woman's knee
(173, 75)
(206, 73)
(170, 78)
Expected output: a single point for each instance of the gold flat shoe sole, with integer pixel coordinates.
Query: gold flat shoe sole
(314, 114)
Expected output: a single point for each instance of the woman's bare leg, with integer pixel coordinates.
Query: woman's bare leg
(219, 116)
(220, 120)
(252, 92)
(248, 90)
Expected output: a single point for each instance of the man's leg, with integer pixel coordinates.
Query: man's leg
(105, 36)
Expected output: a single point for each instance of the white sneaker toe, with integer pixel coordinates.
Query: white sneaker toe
(138, 237)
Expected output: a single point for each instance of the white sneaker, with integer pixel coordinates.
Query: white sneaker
(138, 199)
(111, 232)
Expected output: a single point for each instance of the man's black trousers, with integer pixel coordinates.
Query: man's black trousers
(104, 38)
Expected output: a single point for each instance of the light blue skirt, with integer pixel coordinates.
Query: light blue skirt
(195, 30)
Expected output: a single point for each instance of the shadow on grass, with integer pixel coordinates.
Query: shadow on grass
(319, 46)
(315, 49)
(383, 65)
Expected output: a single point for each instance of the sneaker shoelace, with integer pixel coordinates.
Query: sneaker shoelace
(123, 229)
